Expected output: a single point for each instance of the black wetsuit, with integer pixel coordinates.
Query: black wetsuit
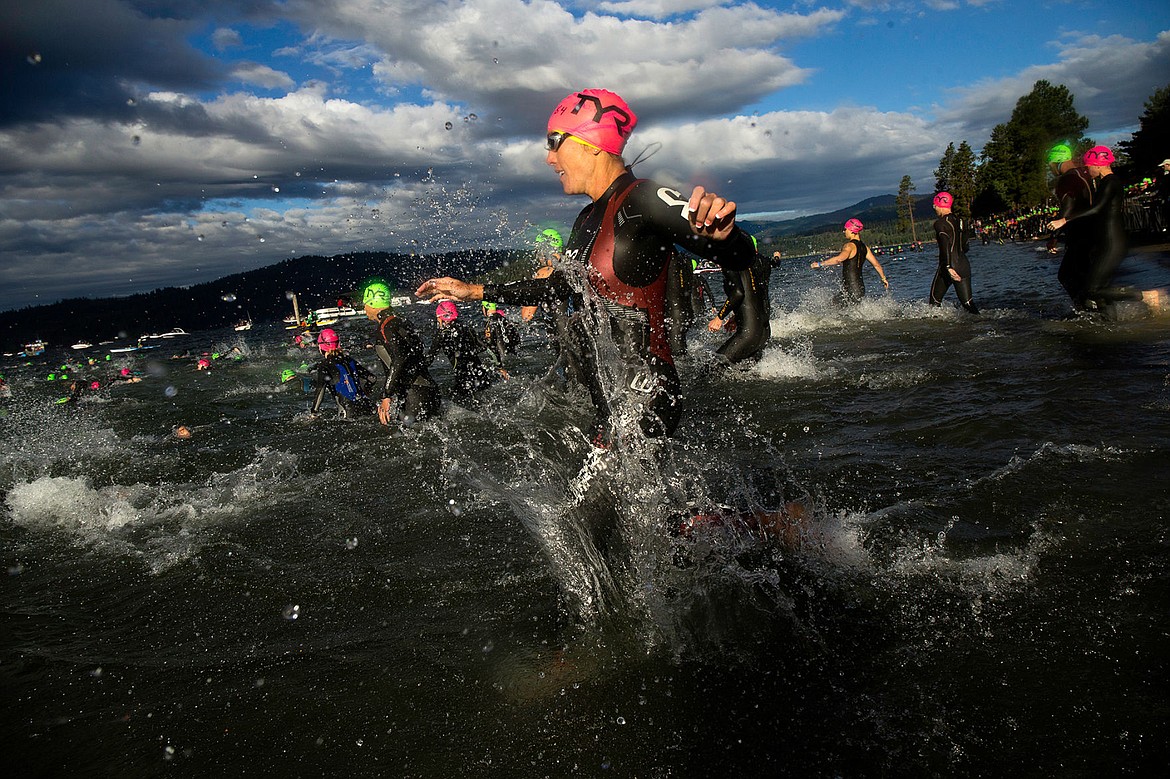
(1074, 190)
(951, 235)
(348, 382)
(747, 299)
(463, 349)
(624, 242)
(1107, 223)
(852, 287)
(499, 336)
(403, 358)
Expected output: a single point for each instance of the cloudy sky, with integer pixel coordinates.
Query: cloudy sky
(148, 143)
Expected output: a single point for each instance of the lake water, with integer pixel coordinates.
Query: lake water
(981, 584)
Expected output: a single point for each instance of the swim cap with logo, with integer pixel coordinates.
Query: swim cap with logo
(552, 238)
(595, 115)
(287, 375)
(489, 308)
(1059, 153)
(1099, 156)
(854, 226)
(446, 312)
(327, 341)
(376, 294)
(944, 200)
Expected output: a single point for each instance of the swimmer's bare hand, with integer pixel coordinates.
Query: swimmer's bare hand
(715, 325)
(711, 215)
(954, 274)
(1056, 224)
(384, 411)
(447, 288)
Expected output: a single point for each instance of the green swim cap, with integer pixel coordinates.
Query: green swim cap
(376, 294)
(1059, 153)
(489, 308)
(288, 374)
(551, 237)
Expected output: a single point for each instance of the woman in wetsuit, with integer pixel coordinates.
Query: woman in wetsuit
(953, 267)
(747, 304)
(463, 349)
(1105, 224)
(618, 254)
(1074, 191)
(399, 348)
(850, 258)
(341, 377)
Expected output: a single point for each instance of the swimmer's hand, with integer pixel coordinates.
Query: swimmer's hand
(954, 274)
(447, 288)
(384, 411)
(711, 215)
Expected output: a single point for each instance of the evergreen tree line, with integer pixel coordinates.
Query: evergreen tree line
(1011, 173)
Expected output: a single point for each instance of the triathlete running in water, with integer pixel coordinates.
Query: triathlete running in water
(499, 334)
(852, 254)
(953, 268)
(747, 306)
(408, 393)
(340, 376)
(1109, 245)
(1074, 191)
(621, 244)
(463, 349)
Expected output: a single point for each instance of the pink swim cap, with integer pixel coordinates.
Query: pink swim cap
(95, 385)
(595, 115)
(446, 312)
(327, 341)
(944, 200)
(1099, 156)
(124, 372)
(854, 226)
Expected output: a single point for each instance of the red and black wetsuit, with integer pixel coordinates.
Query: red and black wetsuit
(624, 242)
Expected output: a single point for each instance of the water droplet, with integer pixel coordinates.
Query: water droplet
(34, 58)
(495, 60)
(170, 392)
(262, 239)
(621, 720)
(351, 543)
(228, 298)
(488, 647)
(276, 189)
(134, 139)
(806, 428)
(16, 570)
(291, 612)
(448, 125)
(472, 117)
(200, 236)
(131, 102)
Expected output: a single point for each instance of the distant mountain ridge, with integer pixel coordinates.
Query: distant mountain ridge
(260, 294)
(872, 210)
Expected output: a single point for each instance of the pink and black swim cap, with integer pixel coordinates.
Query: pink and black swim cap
(595, 115)
(1099, 156)
(944, 200)
(854, 226)
(327, 341)
(446, 312)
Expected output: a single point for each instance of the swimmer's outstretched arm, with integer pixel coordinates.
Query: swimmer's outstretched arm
(847, 252)
(447, 288)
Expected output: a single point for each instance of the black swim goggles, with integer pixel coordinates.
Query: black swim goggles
(557, 138)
